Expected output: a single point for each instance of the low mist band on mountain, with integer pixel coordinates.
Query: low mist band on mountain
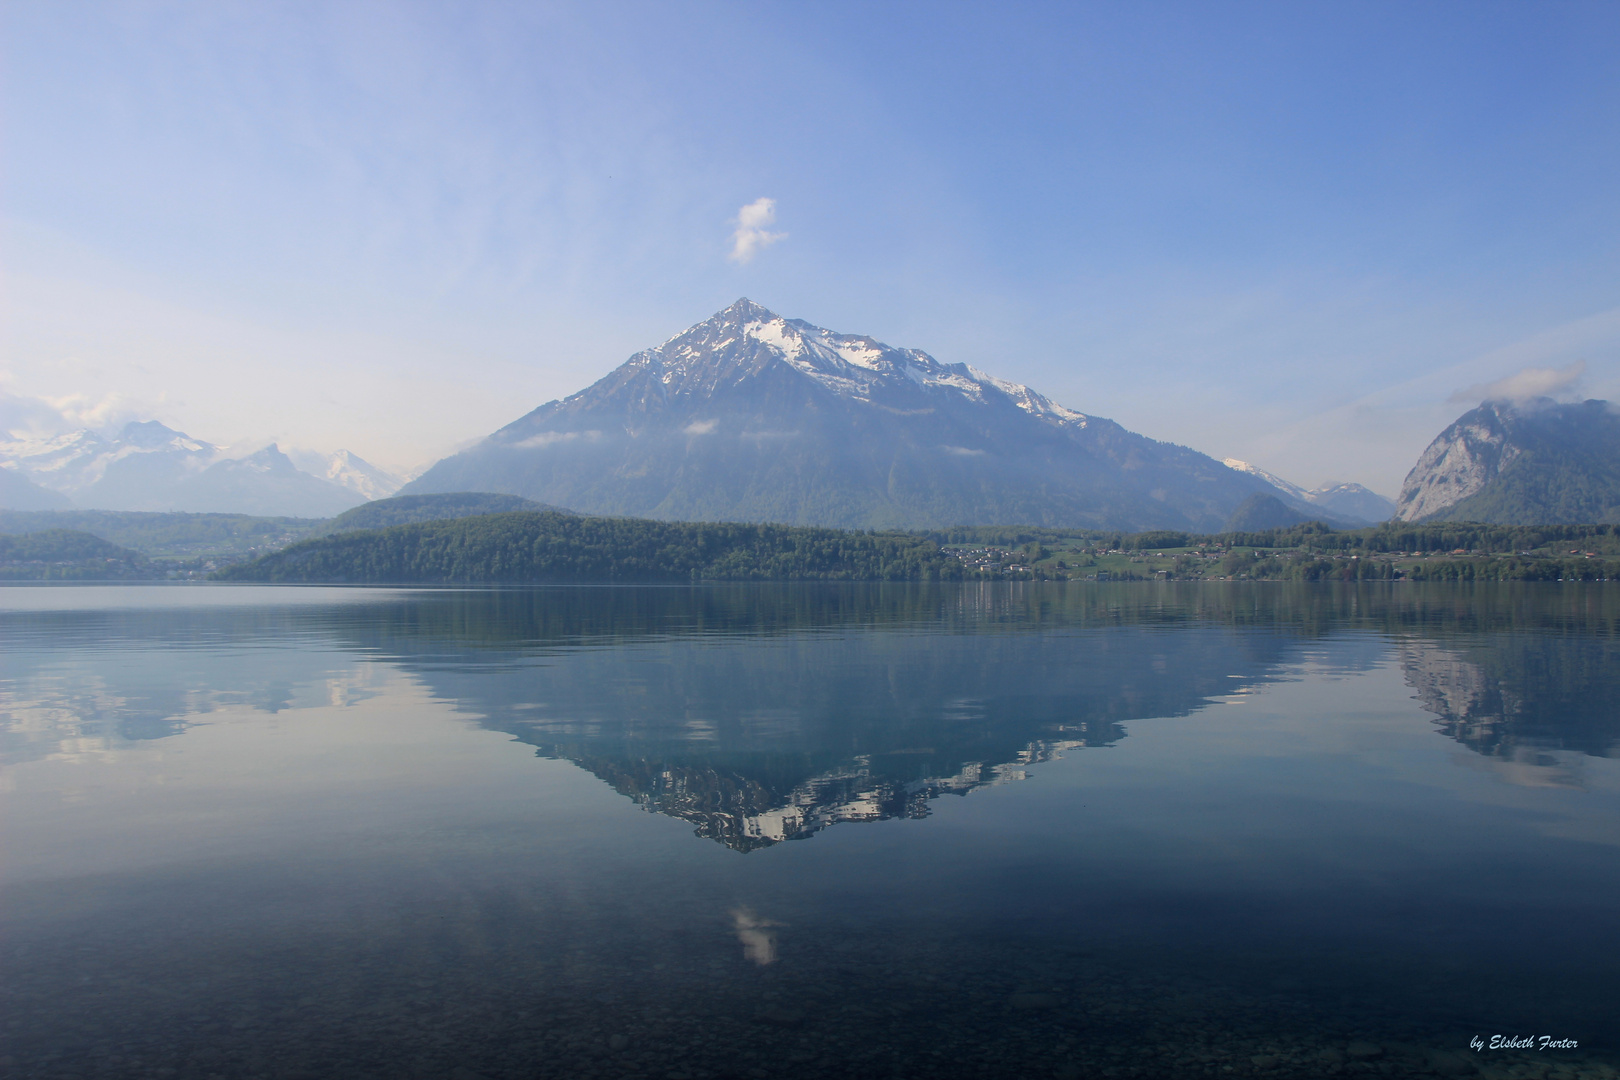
(752, 417)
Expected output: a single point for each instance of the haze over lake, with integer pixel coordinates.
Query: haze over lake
(843, 831)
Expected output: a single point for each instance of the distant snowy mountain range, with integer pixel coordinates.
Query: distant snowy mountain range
(147, 466)
(1349, 502)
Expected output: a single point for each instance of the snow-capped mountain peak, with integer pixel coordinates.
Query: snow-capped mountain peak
(1269, 477)
(745, 338)
(751, 416)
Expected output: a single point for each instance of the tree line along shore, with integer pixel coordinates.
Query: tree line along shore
(557, 546)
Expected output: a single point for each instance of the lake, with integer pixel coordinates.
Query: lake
(889, 831)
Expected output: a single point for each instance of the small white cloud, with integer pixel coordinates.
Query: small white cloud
(551, 438)
(701, 427)
(1524, 385)
(756, 935)
(751, 236)
(962, 451)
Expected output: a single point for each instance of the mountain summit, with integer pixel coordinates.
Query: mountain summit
(749, 416)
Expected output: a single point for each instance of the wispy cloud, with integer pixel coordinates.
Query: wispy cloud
(24, 416)
(751, 236)
(1523, 385)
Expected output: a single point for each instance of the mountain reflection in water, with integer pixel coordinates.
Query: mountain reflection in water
(968, 687)
(938, 690)
(935, 693)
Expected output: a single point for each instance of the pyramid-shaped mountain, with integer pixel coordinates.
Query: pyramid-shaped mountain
(752, 417)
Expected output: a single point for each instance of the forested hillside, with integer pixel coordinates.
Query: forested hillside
(66, 555)
(1432, 551)
(557, 547)
(410, 509)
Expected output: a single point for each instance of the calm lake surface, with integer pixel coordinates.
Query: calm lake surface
(1062, 830)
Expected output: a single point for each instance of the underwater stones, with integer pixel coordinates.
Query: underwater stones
(1450, 1063)
(1032, 1000)
(778, 1016)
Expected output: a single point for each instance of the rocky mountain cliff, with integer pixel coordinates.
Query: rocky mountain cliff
(1531, 464)
(749, 416)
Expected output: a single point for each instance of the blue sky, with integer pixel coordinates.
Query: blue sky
(1290, 233)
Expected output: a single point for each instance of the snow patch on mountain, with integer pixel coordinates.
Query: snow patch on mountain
(778, 336)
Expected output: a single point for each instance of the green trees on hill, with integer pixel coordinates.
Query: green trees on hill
(554, 547)
(68, 555)
(1466, 536)
(410, 509)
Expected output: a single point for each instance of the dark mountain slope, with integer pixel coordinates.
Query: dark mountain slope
(17, 492)
(1261, 511)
